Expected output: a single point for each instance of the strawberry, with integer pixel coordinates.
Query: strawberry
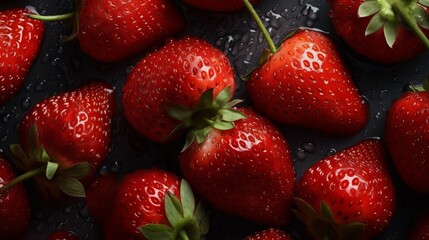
(111, 30)
(66, 137)
(62, 235)
(14, 205)
(349, 195)
(178, 74)
(382, 31)
(20, 39)
(269, 234)
(407, 138)
(306, 83)
(218, 5)
(154, 204)
(244, 171)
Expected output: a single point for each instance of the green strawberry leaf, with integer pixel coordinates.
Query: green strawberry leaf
(232, 103)
(426, 85)
(230, 115)
(190, 137)
(71, 186)
(421, 17)
(424, 3)
(177, 111)
(325, 211)
(390, 32)
(206, 99)
(221, 125)
(305, 208)
(187, 198)
(368, 8)
(375, 24)
(51, 169)
(44, 157)
(201, 134)
(20, 159)
(351, 230)
(223, 96)
(156, 232)
(77, 171)
(173, 209)
(34, 145)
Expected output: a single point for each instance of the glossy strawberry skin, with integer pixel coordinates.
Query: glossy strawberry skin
(269, 234)
(305, 83)
(219, 5)
(177, 73)
(355, 184)
(73, 127)
(246, 171)
(20, 40)
(351, 28)
(139, 199)
(113, 30)
(14, 205)
(407, 138)
(62, 235)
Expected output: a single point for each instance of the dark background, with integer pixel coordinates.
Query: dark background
(61, 66)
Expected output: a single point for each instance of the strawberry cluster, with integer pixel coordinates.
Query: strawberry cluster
(234, 155)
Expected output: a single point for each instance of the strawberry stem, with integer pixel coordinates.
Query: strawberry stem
(53, 17)
(22, 178)
(261, 26)
(183, 235)
(399, 7)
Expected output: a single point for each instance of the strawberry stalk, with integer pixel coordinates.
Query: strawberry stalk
(261, 26)
(53, 17)
(21, 178)
(388, 14)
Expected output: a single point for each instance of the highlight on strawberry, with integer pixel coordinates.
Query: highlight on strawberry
(19, 46)
(386, 31)
(63, 139)
(304, 82)
(348, 195)
(407, 136)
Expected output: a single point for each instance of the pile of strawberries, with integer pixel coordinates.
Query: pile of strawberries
(234, 159)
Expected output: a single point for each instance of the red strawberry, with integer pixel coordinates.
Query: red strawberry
(269, 234)
(20, 39)
(177, 74)
(218, 5)
(99, 196)
(62, 235)
(371, 27)
(349, 195)
(66, 137)
(306, 83)
(407, 138)
(245, 171)
(153, 204)
(111, 30)
(14, 205)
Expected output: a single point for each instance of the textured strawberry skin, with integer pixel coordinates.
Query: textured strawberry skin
(351, 28)
(246, 171)
(219, 5)
(20, 39)
(407, 138)
(112, 30)
(62, 235)
(305, 83)
(139, 199)
(269, 234)
(73, 127)
(178, 73)
(355, 184)
(14, 205)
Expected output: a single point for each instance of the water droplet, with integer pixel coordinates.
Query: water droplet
(378, 115)
(301, 155)
(309, 147)
(103, 170)
(68, 209)
(116, 166)
(331, 152)
(26, 103)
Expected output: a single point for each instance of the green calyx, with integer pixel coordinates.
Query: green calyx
(45, 170)
(424, 87)
(321, 226)
(209, 114)
(389, 14)
(187, 221)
